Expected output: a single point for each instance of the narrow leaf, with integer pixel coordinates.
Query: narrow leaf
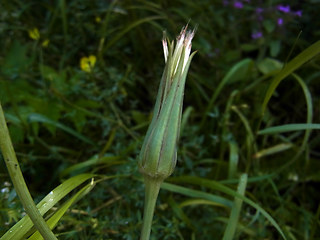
(289, 128)
(293, 65)
(21, 228)
(35, 117)
(220, 187)
(53, 220)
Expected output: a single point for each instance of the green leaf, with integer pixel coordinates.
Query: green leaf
(236, 208)
(251, 144)
(16, 60)
(35, 117)
(233, 159)
(197, 201)
(217, 200)
(56, 79)
(16, 133)
(88, 103)
(21, 228)
(238, 72)
(220, 187)
(139, 117)
(249, 47)
(79, 119)
(250, 179)
(269, 25)
(185, 117)
(95, 160)
(309, 104)
(275, 47)
(269, 65)
(293, 65)
(49, 109)
(53, 220)
(232, 55)
(289, 128)
(272, 150)
(118, 36)
(179, 212)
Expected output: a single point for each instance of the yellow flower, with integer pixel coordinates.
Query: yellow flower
(98, 19)
(34, 34)
(45, 43)
(87, 63)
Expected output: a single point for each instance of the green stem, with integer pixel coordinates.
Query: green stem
(236, 208)
(151, 194)
(19, 184)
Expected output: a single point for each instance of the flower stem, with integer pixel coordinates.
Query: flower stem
(152, 187)
(19, 184)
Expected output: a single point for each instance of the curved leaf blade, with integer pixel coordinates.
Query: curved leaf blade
(35, 117)
(21, 228)
(289, 128)
(293, 65)
(52, 222)
(220, 187)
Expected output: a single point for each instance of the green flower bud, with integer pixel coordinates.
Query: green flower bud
(159, 151)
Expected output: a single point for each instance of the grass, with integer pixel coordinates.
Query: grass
(251, 109)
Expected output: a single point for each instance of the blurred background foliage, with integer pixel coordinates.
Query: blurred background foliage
(65, 120)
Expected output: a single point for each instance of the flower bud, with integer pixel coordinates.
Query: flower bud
(159, 150)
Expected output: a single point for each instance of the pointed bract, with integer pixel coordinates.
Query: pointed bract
(159, 150)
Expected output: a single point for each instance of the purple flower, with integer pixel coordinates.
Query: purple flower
(225, 2)
(298, 13)
(282, 8)
(259, 10)
(280, 21)
(238, 4)
(256, 35)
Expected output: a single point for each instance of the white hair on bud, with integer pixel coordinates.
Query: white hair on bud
(181, 51)
(165, 49)
(187, 44)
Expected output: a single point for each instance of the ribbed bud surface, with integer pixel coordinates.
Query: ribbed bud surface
(158, 155)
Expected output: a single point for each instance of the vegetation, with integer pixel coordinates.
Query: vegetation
(78, 82)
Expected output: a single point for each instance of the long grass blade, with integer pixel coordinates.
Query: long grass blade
(289, 128)
(220, 187)
(293, 65)
(197, 194)
(236, 208)
(53, 220)
(130, 27)
(21, 228)
(239, 69)
(35, 117)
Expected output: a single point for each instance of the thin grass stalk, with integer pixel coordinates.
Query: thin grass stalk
(18, 181)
